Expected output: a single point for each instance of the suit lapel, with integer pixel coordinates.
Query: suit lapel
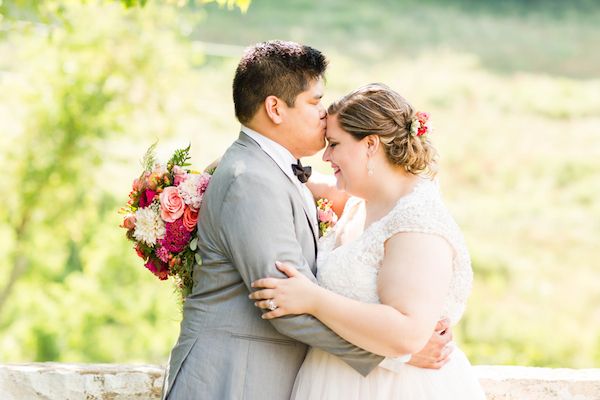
(310, 218)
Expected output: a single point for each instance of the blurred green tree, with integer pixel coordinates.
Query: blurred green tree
(79, 86)
(54, 10)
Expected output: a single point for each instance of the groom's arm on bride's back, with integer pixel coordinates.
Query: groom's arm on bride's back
(257, 230)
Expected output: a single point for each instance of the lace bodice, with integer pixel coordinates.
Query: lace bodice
(351, 269)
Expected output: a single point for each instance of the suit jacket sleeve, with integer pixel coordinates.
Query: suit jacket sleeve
(257, 230)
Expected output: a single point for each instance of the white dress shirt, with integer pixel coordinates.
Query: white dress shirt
(284, 159)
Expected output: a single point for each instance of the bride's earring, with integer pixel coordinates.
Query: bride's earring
(369, 167)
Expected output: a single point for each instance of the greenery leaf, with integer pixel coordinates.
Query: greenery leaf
(149, 159)
(180, 157)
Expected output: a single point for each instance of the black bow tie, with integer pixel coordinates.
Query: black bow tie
(302, 173)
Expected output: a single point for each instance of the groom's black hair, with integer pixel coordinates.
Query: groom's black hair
(274, 68)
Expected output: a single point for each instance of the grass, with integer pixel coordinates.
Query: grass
(552, 37)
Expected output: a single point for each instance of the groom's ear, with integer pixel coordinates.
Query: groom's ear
(273, 107)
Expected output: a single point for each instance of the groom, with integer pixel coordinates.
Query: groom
(257, 211)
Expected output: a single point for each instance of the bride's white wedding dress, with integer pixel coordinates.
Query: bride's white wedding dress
(351, 270)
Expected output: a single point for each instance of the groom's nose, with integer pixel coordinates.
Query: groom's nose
(322, 112)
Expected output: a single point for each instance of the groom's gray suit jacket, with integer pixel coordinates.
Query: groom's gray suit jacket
(251, 216)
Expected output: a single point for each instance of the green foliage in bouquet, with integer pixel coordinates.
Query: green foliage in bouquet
(180, 157)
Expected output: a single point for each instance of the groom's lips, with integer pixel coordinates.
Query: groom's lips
(336, 169)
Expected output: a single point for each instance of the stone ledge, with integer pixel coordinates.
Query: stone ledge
(49, 381)
(528, 383)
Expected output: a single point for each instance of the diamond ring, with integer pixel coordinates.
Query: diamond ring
(271, 305)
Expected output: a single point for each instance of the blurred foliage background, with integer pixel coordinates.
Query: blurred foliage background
(87, 86)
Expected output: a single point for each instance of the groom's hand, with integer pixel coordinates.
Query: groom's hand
(437, 351)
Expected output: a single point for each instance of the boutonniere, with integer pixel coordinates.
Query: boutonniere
(327, 218)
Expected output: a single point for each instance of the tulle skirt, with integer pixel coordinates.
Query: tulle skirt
(325, 377)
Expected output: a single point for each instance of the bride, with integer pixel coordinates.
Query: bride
(394, 264)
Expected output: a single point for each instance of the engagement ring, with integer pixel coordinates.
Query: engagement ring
(271, 305)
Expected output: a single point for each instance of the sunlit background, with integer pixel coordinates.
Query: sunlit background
(86, 86)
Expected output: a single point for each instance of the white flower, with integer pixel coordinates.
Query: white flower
(149, 226)
(159, 169)
(188, 190)
(414, 126)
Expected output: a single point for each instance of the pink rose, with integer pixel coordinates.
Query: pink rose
(325, 216)
(190, 219)
(422, 116)
(146, 198)
(180, 175)
(171, 204)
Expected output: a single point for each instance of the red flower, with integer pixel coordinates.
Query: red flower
(422, 117)
(151, 265)
(147, 197)
(158, 268)
(139, 252)
(176, 237)
(163, 274)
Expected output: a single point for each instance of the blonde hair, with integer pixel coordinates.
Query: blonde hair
(375, 109)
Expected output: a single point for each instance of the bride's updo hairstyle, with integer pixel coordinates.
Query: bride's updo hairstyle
(375, 109)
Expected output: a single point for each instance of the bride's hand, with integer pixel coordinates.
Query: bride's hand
(293, 295)
(212, 166)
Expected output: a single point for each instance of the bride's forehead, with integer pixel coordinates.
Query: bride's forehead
(334, 131)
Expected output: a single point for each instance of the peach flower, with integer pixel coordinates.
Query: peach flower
(190, 219)
(138, 185)
(129, 222)
(171, 204)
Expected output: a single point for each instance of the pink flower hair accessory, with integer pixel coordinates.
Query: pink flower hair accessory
(420, 124)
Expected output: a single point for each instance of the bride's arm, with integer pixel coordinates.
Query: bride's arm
(322, 185)
(413, 283)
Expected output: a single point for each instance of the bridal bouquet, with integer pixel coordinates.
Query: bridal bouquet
(161, 216)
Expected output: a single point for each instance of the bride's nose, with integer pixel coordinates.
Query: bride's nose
(326, 156)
